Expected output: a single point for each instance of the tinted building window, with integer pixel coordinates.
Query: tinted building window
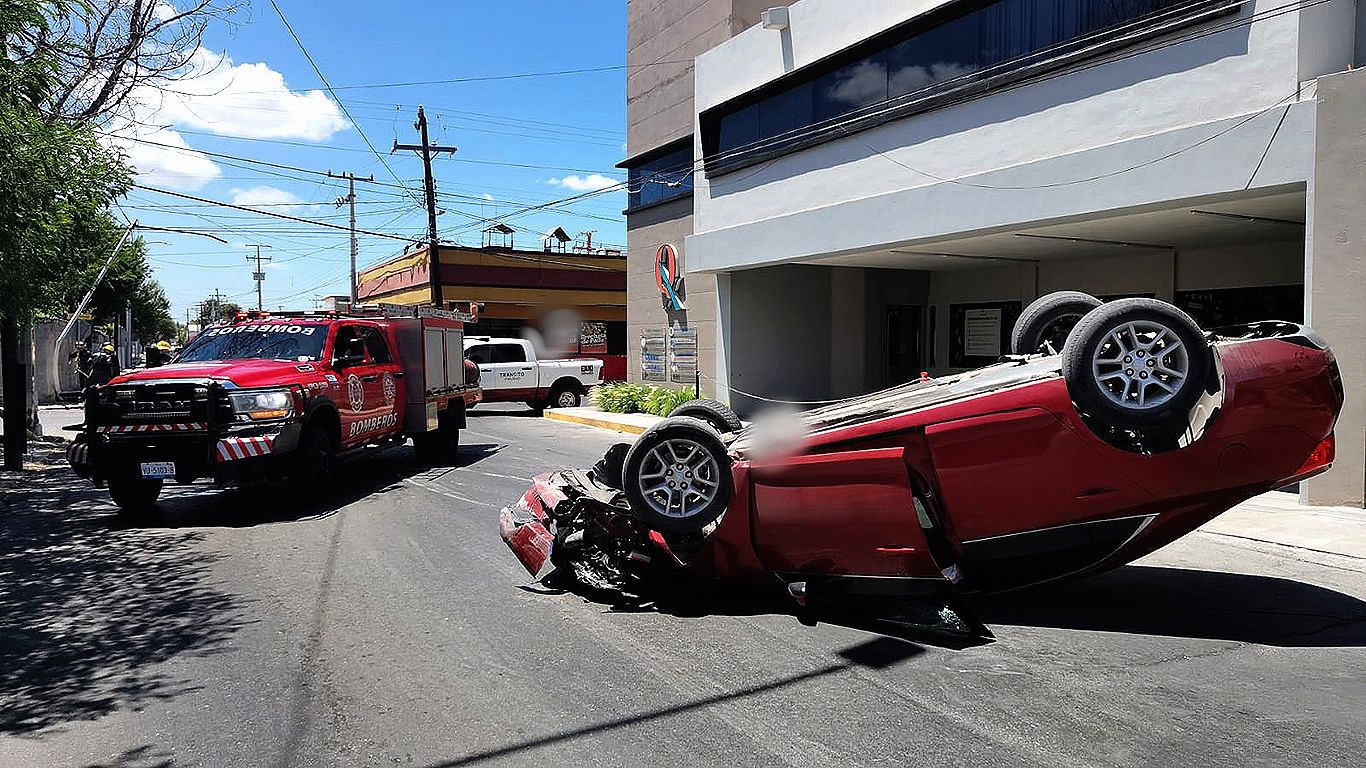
(663, 177)
(962, 52)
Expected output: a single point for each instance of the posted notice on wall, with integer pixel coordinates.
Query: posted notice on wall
(982, 332)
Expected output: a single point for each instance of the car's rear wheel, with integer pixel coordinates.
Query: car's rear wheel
(1136, 363)
(1046, 323)
(718, 415)
(677, 476)
(135, 496)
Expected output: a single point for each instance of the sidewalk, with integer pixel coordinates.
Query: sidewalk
(628, 423)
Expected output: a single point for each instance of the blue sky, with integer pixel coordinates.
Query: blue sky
(257, 97)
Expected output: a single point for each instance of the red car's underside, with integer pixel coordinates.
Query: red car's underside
(982, 482)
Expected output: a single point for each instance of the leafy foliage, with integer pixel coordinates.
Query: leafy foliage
(663, 400)
(56, 183)
(639, 398)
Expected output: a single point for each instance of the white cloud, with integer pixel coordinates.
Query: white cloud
(589, 183)
(174, 165)
(248, 100)
(488, 197)
(265, 196)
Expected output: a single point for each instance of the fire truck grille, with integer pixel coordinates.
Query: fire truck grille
(153, 403)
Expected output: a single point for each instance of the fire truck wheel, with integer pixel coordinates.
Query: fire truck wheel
(436, 445)
(315, 461)
(134, 496)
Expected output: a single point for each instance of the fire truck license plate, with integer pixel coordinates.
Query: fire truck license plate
(158, 469)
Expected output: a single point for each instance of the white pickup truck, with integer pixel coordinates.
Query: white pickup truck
(510, 372)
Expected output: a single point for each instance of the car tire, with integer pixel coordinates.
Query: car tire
(718, 415)
(565, 397)
(1136, 363)
(677, 476)
(135, 497)
(1045, 325)
(314, 462)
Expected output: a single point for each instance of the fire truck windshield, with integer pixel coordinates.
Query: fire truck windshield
(300, 342)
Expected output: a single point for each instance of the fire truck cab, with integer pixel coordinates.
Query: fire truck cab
(280, 396)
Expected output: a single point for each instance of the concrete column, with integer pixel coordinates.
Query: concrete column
(848, 327)
(720, 388)
(1335, 272)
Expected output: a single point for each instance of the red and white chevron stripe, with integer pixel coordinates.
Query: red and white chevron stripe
(233, 448)
(189, 426)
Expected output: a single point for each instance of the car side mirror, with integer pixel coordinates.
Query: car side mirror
(346, 361)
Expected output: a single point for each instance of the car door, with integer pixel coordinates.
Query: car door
(383, 395)
(849, 513)
(508, 372)
(351, 362)
(1028, 499)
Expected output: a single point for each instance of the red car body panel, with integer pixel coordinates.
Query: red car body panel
(1009, 485)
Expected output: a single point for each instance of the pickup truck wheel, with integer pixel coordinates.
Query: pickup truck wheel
(677, 476)
(718, 415)
(1136, 363)
(135, 496)
(315, 462)
(565, 398)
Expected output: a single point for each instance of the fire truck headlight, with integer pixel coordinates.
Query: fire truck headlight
(266, 404)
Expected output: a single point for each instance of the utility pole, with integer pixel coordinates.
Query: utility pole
(351, 200)
(259, 275)
(426, 149)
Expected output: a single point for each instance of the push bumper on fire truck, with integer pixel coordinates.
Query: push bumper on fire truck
(186, 430)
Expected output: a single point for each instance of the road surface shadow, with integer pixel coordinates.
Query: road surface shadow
(874, 655)
(924, 622)
(87, 613)
(203, 504)
(1180, 602)
(145, 756)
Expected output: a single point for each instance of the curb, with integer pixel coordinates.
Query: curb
(588, 421)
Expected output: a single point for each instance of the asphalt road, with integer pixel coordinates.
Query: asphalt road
(396, 629)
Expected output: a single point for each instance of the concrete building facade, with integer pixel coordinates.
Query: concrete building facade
(663, 39)
(874, 177)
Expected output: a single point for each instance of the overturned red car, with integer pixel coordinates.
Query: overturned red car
(1113, 430)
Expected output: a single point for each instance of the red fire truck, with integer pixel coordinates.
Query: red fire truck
(280, 395)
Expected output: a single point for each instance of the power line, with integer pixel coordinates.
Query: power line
(342, 105)
(271, 214)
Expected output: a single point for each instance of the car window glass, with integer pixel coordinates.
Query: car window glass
(479, 353)
(374, 343)
(348, 344)
(509, 353)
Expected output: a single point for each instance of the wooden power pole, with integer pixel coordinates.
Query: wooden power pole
(350, 199)
(426, 149)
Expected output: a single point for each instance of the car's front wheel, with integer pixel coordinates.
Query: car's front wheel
(315, 462)
(677, 476)
(1136, 363)
(134, 496)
